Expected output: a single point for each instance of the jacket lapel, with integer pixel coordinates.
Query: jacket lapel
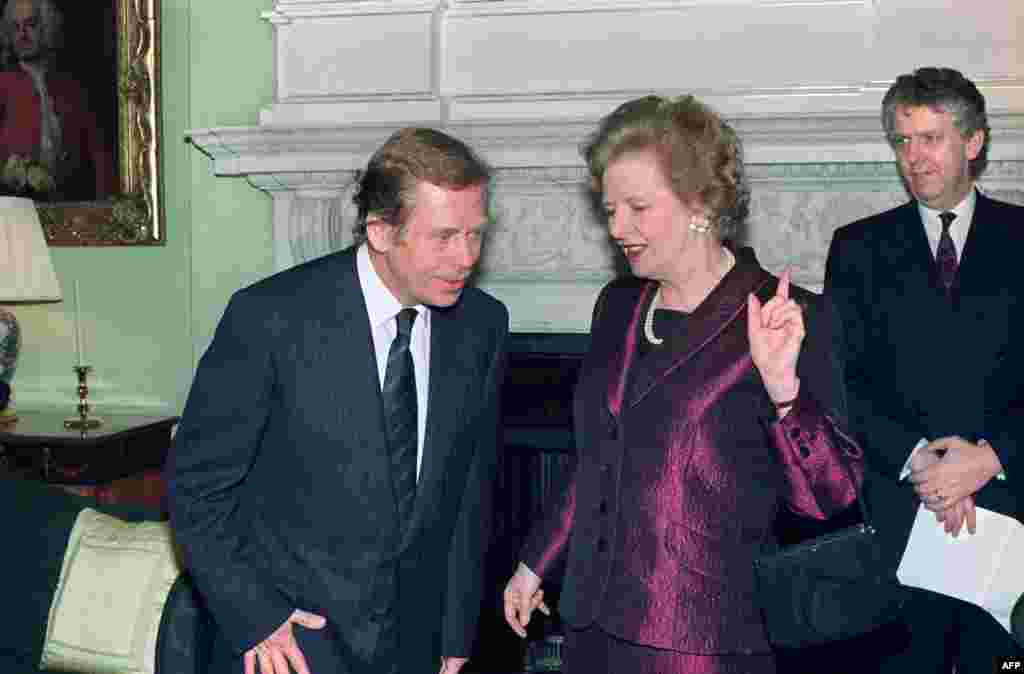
(985, 245)
(726, 302)
(981, 247)
(920, 252)
(907, 271)
(351, 327)
(621, 360)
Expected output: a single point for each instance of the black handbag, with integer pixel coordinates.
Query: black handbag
(828, 588)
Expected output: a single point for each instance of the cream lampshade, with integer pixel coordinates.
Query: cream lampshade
(26, 274)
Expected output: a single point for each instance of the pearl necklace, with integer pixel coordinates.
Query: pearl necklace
(649, 320)
(656, 300)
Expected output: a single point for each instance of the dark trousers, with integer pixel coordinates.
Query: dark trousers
(937, 632)
(942, 632)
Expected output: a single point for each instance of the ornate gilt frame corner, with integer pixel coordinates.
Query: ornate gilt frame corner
(135, 215)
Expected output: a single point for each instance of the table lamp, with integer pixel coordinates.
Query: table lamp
(26, 277)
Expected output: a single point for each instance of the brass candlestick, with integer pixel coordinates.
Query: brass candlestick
(83, 421)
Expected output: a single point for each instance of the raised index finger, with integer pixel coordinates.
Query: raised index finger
(782, 291)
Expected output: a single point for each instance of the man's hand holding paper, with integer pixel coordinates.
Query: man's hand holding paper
(953, 516)
(946, 474)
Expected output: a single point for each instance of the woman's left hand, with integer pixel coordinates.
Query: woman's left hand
(776, 331)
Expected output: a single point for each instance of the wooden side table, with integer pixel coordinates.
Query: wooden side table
(119, 462)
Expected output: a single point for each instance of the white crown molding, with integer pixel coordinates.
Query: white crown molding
(480, 8)
(287, 11)
(288, 151)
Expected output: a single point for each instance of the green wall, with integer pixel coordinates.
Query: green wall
(149, 312)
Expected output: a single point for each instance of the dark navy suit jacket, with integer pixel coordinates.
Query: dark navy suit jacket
(921, 365)
(280, 483)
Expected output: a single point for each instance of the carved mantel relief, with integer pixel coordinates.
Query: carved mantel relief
(525, 81)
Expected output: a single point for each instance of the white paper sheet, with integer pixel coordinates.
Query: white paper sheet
(983, 568)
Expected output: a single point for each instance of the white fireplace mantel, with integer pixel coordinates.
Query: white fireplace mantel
(525, 81)
(283, 157)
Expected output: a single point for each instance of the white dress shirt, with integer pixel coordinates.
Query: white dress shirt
(958, 229)
(382, 307)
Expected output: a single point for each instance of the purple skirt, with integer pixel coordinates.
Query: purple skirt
(594, 651)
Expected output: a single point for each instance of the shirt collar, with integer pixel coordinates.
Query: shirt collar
(381, 305)
(964, 213)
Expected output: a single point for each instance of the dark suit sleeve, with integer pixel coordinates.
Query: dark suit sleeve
(473, 526)
(1003, 421)
(216, 443)
(1005, 435)
(883, 426)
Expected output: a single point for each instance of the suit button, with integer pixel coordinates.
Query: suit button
(613, 431)
(604, 467)
(603, 508)
(602, 545)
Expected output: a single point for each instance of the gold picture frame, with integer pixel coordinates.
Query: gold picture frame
(134, 215)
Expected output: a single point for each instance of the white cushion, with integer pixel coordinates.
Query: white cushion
(113, 585)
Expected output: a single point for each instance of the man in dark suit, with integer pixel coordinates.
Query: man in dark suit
(332, 525)
(930, 300)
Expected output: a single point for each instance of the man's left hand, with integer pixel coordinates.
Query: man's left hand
(965, 468)
(954, 517)
(452, 665)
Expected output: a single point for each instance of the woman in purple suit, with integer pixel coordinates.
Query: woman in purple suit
(709, 397)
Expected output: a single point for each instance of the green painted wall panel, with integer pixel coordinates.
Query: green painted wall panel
(147, 313)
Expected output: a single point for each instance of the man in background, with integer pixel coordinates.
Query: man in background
(45, 116)
(930, 298)
(331, 479)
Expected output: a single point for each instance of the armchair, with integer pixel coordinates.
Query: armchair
(52, 575)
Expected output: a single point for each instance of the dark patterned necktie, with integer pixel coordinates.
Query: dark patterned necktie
(399, 394)
(945, 254)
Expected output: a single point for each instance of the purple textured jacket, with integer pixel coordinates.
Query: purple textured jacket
(682, 466)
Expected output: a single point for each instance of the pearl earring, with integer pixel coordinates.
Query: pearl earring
(700, 224)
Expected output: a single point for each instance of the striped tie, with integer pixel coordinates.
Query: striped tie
(399, 395)
(945, 254)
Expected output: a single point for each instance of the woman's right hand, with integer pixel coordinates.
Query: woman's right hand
(522, 596)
